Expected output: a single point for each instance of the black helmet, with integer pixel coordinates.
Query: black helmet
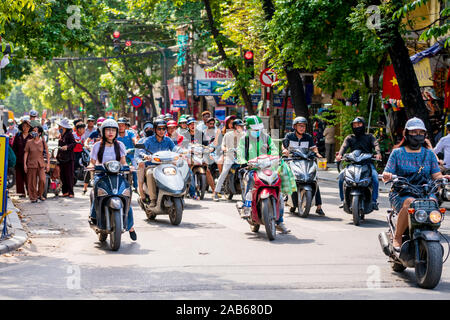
(90, 118)
(359, 119)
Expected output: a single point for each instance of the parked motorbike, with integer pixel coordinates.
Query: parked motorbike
(358, 185)
(421, 248)
(11, 178)
(232, 183)
(52, 182)
(199, 168)
(83, 162)
(444, 193)
(303, 165)
(171, 175)
(111, 197)
(265, 207)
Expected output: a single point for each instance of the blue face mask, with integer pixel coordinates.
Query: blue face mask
(255, 134)
(34, 134)
(61, 131)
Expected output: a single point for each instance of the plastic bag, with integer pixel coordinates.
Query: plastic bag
(288, 184)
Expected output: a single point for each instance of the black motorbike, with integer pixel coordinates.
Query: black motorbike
(303, 165)
(421, 248)
(358, 185)
(83, 162)
(232, 183)
(111, 197)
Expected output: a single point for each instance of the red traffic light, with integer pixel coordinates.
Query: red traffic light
(116, 34)
(128, 43)
(248, 55)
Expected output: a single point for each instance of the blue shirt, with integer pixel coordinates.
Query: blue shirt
(95, 135)
(152, 146)
(127, 139)
(405, 164)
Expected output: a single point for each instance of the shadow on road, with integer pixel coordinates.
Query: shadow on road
(280, 238)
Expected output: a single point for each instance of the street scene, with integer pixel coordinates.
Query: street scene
(224, 150)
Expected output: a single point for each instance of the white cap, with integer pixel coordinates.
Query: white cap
(415, 124)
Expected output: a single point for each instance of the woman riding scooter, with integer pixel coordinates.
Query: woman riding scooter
(411, 159)
(108, 149)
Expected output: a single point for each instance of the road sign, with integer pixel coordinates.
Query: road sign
(268, 77)
(180, 103)
(136, 102)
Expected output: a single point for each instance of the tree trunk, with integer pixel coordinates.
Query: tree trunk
(244, 93)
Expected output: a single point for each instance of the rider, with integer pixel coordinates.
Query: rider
(414, 160)
(153, 144)
(90, 125)
(96, 135)
(229, 146)
(366, 143)
(79, 137)
(108, 149)
(173, 134)
(301, 139)
(444, 146)
(252, 145)
(129, 140)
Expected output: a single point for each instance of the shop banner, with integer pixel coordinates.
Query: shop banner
(447, 92)
(3, 173)
(423, 73)
(209, 88)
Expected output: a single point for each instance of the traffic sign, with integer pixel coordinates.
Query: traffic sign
(180, 103)
(136, 102)
(268, 77)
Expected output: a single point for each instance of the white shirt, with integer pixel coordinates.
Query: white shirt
(109, 154)
(444, 145)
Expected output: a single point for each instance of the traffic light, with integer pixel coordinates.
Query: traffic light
(116, 41)
(248, 59)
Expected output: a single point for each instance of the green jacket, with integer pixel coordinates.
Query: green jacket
(256, 147)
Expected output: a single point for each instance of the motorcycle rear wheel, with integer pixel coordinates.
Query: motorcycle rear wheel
(428, 273)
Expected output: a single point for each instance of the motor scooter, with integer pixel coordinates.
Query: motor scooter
(265, 195)
(199, 167)
(111, 197)
(303, 165)
(171, 174)
(232, 183)
(52, 179)
(421, 248)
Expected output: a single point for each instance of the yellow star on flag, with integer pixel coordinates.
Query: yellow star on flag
(394, 81)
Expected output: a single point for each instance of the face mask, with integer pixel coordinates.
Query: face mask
(358, 131)
(415, 142)
(148, 133)
(61, 131)
(255, 134)
(34, 134)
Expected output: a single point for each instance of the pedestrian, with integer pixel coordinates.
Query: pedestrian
(34, 164)
(18, 147)
(66, 157)
(330, 142)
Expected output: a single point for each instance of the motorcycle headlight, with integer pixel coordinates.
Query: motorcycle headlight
(170, 171)
(101, 192)
(421, 216)
(113, 166)
(435, 217)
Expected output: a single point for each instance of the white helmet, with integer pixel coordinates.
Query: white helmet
(109, 123)
(33, 113)
(415, 124)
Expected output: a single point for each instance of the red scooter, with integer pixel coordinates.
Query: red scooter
(265, 194)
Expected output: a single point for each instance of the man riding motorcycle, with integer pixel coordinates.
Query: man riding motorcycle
(157, 142)
(252, 145)
(129, 140)
(366, 143)
(300, 139)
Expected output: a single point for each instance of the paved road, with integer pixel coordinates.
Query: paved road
(211, 255)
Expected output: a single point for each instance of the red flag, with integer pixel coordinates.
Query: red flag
(447, 92)
(391, 89)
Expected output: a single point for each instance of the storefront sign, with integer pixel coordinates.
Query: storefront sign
(423, 73)
(220, 74)
(180, 103)
(209, 88)
(3, 173)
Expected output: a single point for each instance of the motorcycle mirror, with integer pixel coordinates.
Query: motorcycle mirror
(139, 146)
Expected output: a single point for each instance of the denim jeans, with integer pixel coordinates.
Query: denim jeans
(192, 189)
(375, 184)
(130, 221)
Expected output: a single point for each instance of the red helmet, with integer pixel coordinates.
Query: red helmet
(172, 123)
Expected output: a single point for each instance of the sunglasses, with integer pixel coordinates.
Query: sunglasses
(161, 129)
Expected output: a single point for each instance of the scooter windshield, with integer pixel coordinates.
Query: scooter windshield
(357, 156)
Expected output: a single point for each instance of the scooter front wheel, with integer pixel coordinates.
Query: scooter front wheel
(176, 212)
(116, 235)
(304, 203)
(269, 214)
(355, 210)
(429, 268)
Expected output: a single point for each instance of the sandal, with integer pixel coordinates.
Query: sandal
(70, 195)
(65, 195)
(42, 198)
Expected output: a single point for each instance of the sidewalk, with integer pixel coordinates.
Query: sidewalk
(331, 175)
(16, 234)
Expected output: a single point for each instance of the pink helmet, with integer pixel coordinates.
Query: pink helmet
(100, 120)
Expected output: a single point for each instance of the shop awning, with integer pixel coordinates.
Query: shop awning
(431, 51)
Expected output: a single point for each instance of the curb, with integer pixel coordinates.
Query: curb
(19, 234)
